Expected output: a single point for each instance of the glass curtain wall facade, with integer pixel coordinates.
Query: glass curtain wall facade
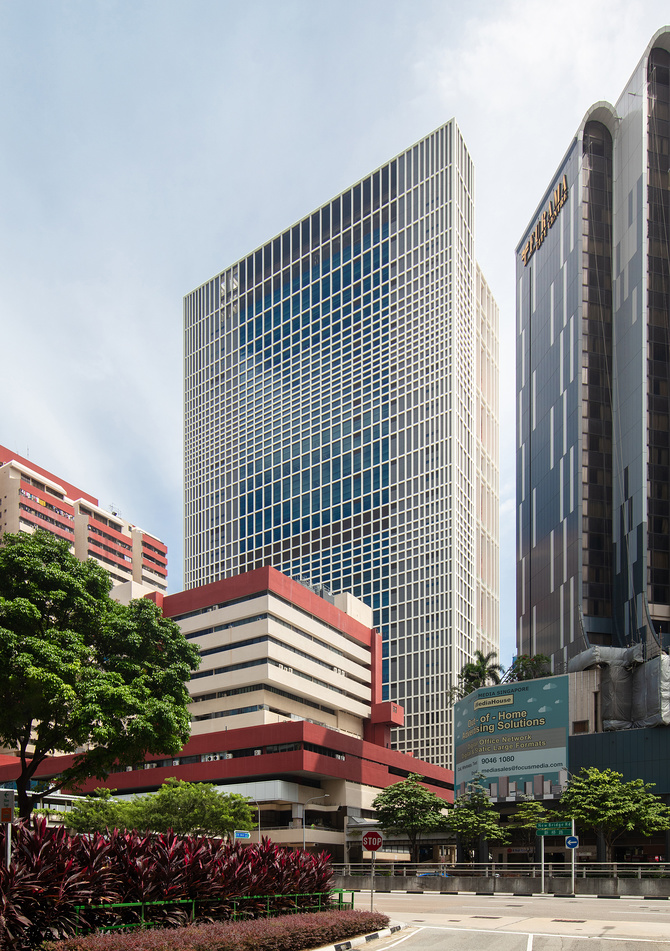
(487, 488)
(593, 369)
(658, 355)
(331, 406)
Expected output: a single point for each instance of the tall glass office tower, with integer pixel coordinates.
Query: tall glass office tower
(593, 383)
(341, 421)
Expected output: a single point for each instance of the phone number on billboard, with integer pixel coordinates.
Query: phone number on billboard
(496, 759)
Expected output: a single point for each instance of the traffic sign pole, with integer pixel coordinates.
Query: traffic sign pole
(573, 859)
(7, 816)
(372, 841)
(558, 828)
(372, 884)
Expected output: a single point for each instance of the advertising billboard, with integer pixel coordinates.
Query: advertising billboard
(515, 735)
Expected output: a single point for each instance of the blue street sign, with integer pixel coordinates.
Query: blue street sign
(240, 834)
(571, 841)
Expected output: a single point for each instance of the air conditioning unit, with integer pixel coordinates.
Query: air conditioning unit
(258, 752)
(175, 762)
(150, 765)
(227, 755)
(129, 769)
(210, 758)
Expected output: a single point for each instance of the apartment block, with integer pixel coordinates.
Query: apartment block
(32, 497)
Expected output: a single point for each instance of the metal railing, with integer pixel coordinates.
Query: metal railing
(135, 908)
(497, 869)
(241, 908)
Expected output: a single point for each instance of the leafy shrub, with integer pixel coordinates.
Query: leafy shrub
(52, 873)
(293, 933)
(44, 883)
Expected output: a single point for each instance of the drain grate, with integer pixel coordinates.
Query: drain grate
(489, 917)
(573, 921)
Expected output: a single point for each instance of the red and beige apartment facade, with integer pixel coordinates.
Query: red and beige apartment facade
(32, 497)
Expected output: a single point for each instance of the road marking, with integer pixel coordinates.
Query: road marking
(543, 934)
(404, 938)
(529, 943)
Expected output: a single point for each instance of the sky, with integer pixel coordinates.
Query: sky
(146, 145)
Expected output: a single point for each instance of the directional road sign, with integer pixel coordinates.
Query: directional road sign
(242, 834)
(554, 828)
(571, 841)
(372, 841)
(6, 805)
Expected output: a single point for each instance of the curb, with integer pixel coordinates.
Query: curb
(357, 942)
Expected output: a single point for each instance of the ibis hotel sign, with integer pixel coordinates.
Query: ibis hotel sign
(546, 220)
(512, 733)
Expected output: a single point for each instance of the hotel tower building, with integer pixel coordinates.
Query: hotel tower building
(593, 382)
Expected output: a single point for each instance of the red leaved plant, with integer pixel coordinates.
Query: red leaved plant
(56, 881)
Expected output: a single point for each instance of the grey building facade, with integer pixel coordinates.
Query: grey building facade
(593, 378)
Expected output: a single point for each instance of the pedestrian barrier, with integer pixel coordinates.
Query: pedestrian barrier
(182, 910)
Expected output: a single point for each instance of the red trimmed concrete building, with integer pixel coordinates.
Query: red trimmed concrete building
(286, 709)
(32, 498)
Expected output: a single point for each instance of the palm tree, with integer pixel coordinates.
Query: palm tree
(479, 672)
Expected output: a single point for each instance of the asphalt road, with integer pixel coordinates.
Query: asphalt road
(504, 923)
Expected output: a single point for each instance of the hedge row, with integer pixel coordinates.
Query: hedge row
(52, 872)
(293, 933)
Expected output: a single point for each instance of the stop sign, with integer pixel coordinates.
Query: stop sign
(372, 841)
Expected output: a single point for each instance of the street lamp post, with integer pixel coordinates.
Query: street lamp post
(304, 813)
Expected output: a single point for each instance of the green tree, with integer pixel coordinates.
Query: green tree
(525, 819)
(80, 673)
(97, 812)
(408, 808)
(602, 802)
(527, 667)
(186, 808)
(474, 818)
(479, 672)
